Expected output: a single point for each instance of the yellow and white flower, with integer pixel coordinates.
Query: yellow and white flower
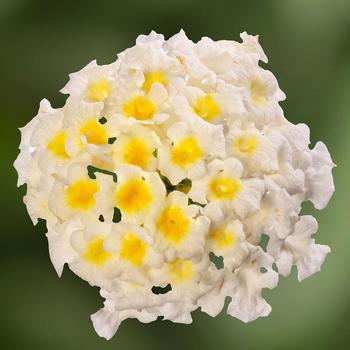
(85, 132)
(262, 93)
(186, 152)
(137, 193)
(226, 239)
(189, 280)
(134, 250)
(93, 83)
(75, 194)
(92, 261)
(137, 145)
(212, 107)
(178, 229)
(257, 150)
(131, 104)
(172, 180)
(222, 189)
(45, 148)
(148, 62)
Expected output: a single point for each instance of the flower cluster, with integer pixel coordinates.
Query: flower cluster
(163, 173)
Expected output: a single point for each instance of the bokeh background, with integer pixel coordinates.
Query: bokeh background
(308, 43)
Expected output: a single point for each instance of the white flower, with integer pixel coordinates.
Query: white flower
(319, 179)
(178, 228)
(93, 83)
(153, 38)
(75, 193)
(189, 280)
(166, 175)
(250, 44)
(137, 193)
(133, 247)
(212, 107)
(276, 215)
(42, 144)
(23, 164)
(92, 261)
(149, 63)
(224, 189)
(186, 152)
(37, 200)
(177, 312)
(298, 139)
(226, 239)
(257, 151)
(299, 249)
(58, 236)
(314, 166)
(183, 50)
(244, 286)
(248, 281)
(137, 145)
(216, 57)
(107, 320)
(262, 92)
(287, 178)
(132, 104)
(84, 129)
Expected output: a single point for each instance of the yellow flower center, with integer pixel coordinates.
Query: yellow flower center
(186, 152)
(134, 195)
(207, 108)
(94, 132)
(173, 224)
(153, 77)
(141, 108)
(258, 92)
(133, 249)
(222, 237)
(81, 194)
(57, 145)
(95, 252)
(99, 91)
(224, 187)
(180, 270)
(136, 152)
(246, 144)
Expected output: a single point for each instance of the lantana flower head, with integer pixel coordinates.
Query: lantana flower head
(162, 174)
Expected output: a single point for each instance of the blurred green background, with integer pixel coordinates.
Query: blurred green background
(308, 43)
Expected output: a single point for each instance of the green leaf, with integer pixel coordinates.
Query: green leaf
(92, 170)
